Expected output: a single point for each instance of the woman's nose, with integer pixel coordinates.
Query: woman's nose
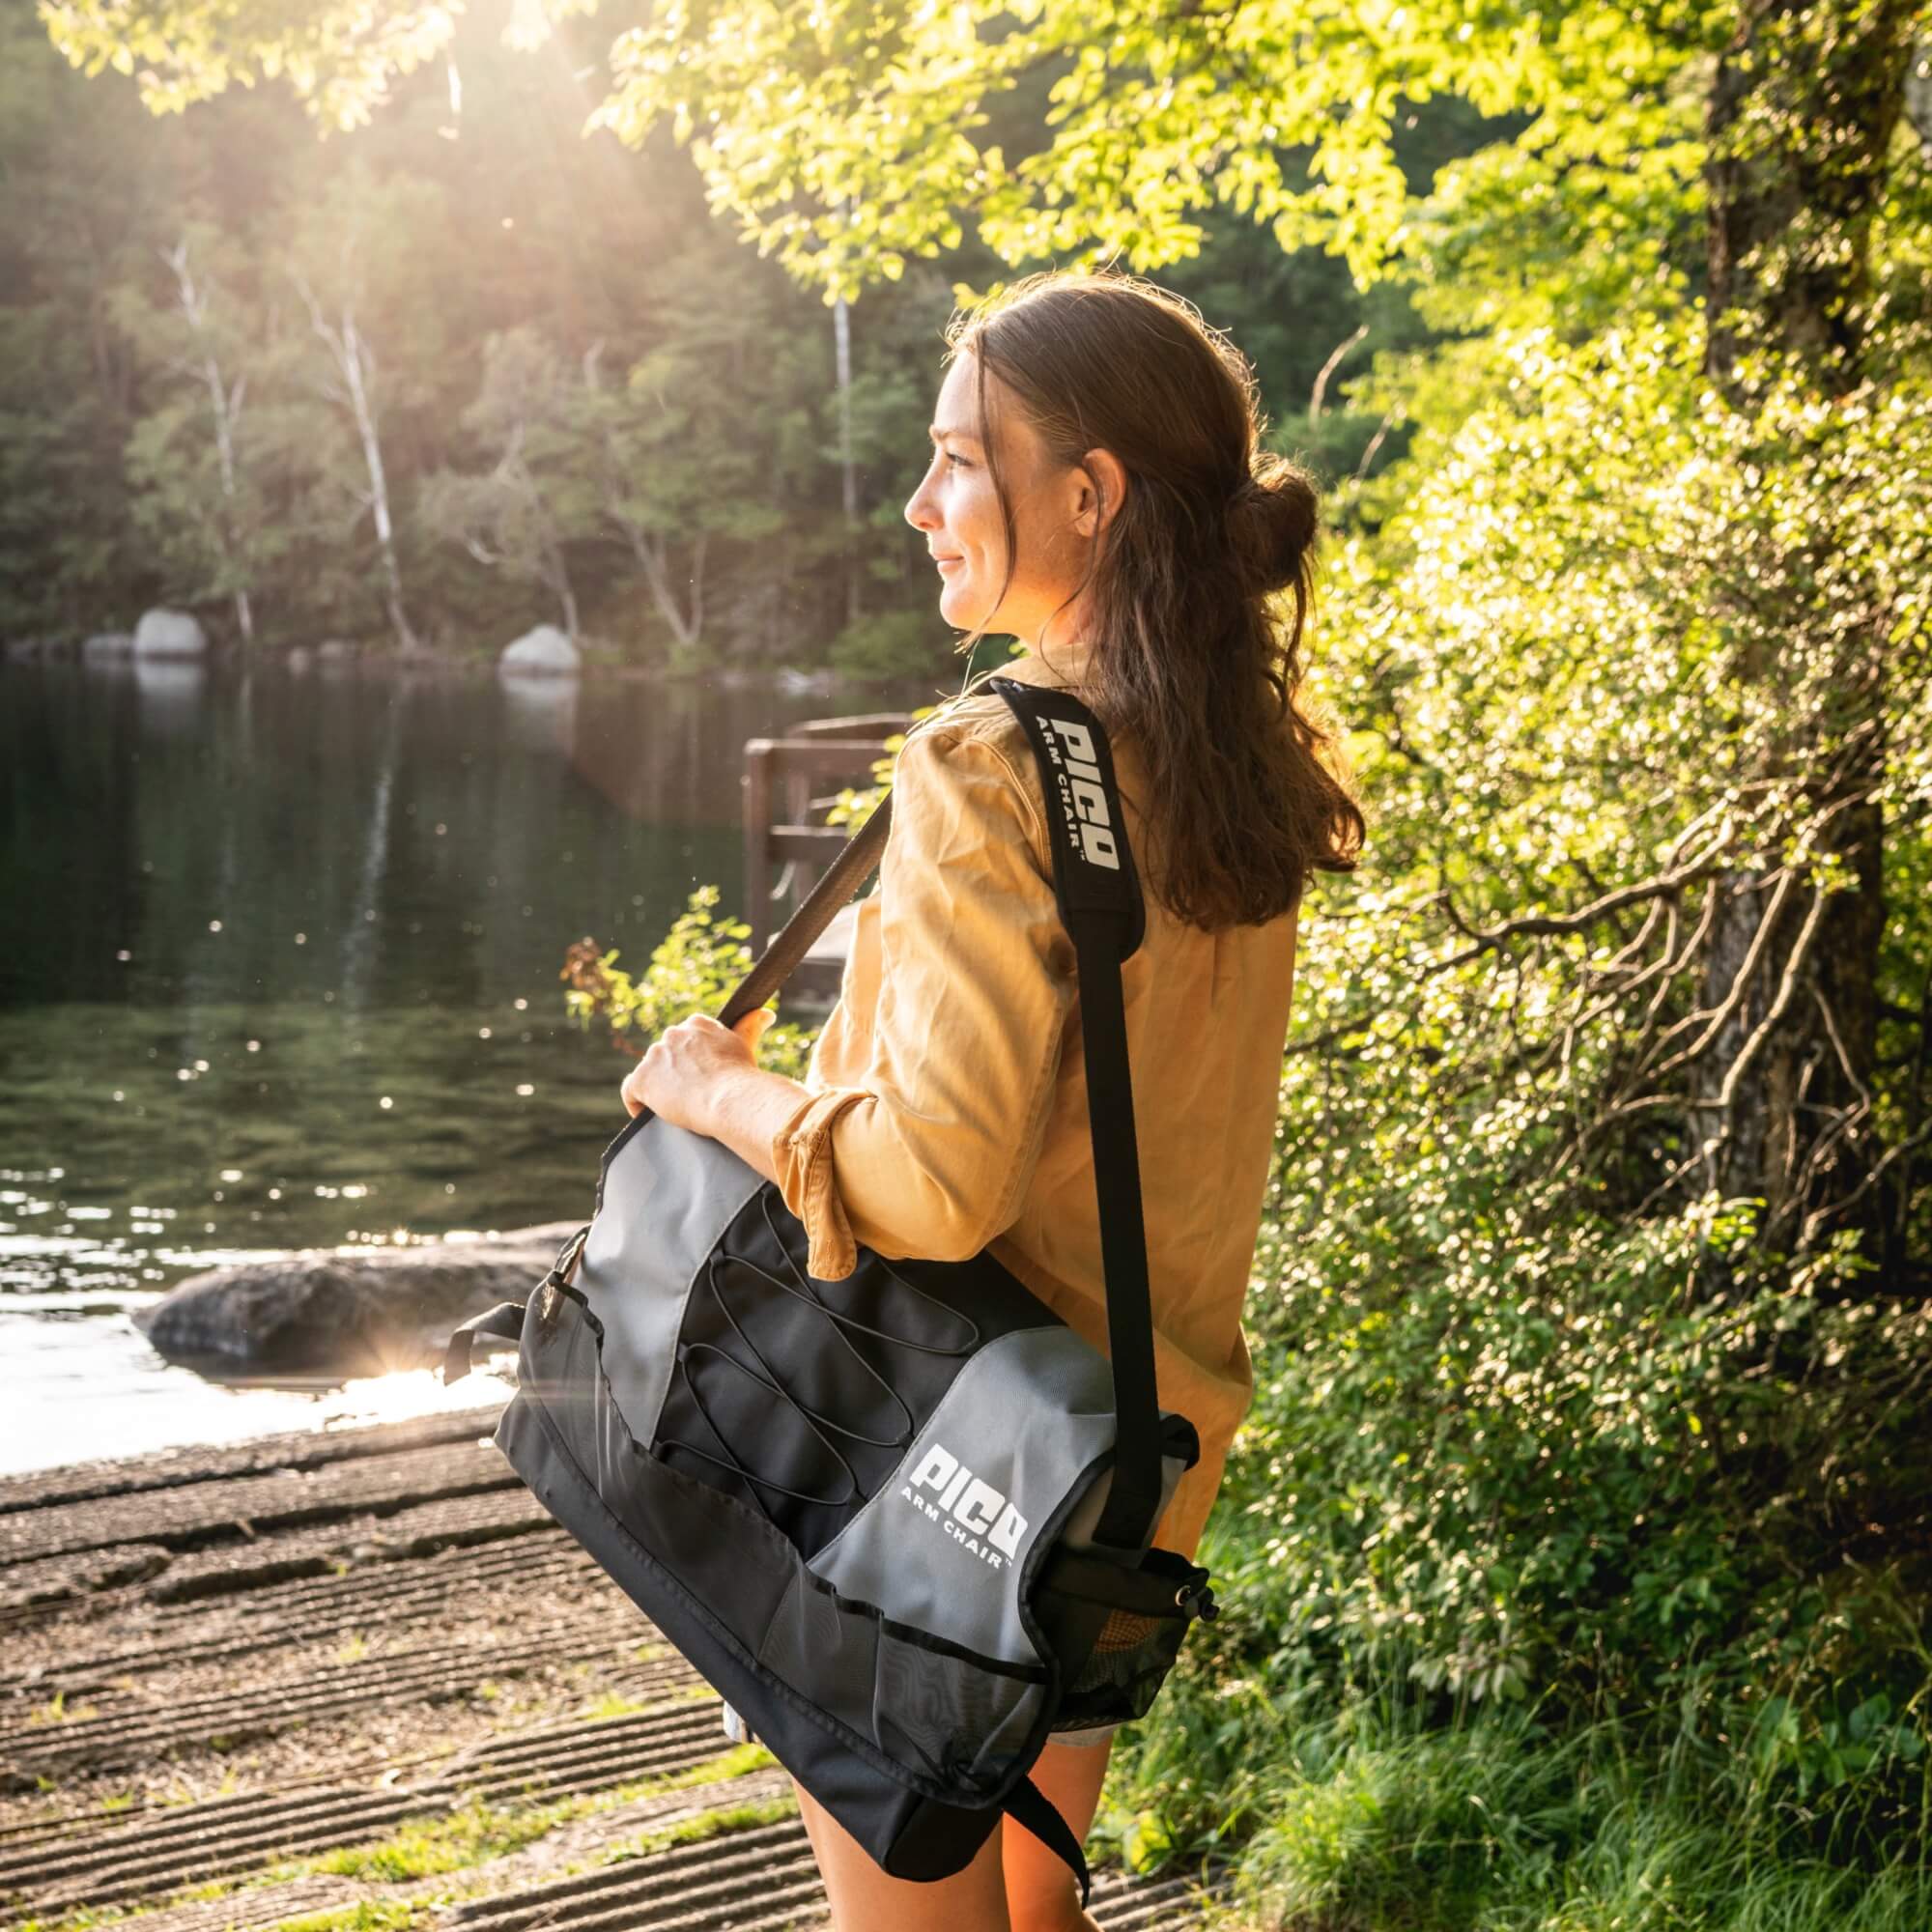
(916, 513)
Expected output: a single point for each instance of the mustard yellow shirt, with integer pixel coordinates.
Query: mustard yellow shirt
(949, 1103)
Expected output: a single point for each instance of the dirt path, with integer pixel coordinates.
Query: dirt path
(361, 1682)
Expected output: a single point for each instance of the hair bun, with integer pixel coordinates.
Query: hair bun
(1272, 519)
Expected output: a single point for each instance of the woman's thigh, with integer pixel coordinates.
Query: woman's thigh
(1015, 1884)
(1043, 1895)
(866, 1899)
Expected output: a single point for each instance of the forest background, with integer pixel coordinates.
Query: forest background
(1579, 1547)
(466, 369)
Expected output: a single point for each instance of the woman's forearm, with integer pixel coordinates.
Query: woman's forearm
(746, 1107)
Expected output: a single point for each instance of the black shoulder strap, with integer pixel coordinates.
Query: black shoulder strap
(1037, 1811)
(1094, 868)
(1102, 908)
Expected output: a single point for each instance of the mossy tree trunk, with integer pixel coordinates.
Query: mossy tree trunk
(1802, 111)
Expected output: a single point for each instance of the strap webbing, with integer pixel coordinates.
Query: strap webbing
(1102, 905)
(1037, 1811)
(1133, 1502)
(841, 879)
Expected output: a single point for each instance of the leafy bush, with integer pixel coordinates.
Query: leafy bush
(691, 969)
(1543, 1425)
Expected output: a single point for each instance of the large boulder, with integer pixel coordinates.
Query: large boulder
(545, 652)
(345, 1312)
(169, 634)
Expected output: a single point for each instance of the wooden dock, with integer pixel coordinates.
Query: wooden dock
(789, 782)
(359, 1680)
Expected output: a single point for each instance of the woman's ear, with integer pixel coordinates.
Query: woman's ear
(1102, 480)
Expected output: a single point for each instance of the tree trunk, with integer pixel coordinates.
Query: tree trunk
(226, 405)
(841, 332)
(355, 375)
(1803, 105)
(653, 553)
(353, 366)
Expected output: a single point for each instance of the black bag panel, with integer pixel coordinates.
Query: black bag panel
(740, 1589)
(767, 1355)
(929, 1710)
(910, 1832)
(683, 1522)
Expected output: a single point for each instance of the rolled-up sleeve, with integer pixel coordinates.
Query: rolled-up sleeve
(930, 1156)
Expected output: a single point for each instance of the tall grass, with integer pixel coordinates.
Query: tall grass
(1369, 1811)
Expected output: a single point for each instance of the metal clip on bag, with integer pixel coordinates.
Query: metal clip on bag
(901, 1522)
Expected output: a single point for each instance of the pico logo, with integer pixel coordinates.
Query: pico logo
(1083, 798)
(973, 1513)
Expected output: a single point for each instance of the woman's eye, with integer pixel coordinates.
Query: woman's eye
(959, 460)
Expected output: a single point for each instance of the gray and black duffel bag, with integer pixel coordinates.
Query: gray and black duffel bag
(900, 1521)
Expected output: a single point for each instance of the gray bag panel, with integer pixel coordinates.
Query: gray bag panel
(668, 1196)
(1085, 1516)
(940, 1547)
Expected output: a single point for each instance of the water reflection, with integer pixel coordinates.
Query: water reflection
(541, 713)
(172, 693)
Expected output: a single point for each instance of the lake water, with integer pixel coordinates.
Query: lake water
(280, 968)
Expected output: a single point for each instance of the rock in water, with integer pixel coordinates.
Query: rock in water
(107, 647)
(545, 652)
(169, 634)
(343, 1312)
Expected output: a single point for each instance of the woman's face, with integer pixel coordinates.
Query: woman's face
(956, 511)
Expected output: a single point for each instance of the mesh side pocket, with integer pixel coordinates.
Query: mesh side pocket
(1123, 1674)
(952, 1718)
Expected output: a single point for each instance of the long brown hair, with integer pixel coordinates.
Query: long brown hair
(1189, 631)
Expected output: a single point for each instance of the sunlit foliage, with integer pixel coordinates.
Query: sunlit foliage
(1536, 1419)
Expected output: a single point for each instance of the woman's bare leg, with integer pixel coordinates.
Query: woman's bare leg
(1015, 1884)
(1042, 1894)
(866, 1899)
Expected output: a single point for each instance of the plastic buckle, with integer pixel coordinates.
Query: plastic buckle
(1196, 1600)
(549, 1291)
(550, 1302)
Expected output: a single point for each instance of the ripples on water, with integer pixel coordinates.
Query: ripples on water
(281, 971)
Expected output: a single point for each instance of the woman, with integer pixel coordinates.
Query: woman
(1095, 492)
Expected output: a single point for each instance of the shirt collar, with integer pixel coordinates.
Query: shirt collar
(1065, 666)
